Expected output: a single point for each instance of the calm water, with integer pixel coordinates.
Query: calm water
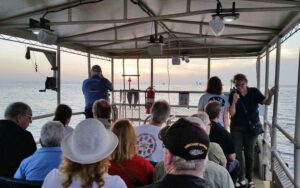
(45, 102)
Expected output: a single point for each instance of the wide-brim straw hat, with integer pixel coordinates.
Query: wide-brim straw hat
(89, 143)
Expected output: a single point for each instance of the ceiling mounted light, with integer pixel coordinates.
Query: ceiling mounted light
(216, 24)
(227, 17)
(156, 43)
(43, 31)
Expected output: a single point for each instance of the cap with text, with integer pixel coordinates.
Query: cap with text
(186, 139)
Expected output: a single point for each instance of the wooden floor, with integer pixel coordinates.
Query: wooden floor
(260, 183)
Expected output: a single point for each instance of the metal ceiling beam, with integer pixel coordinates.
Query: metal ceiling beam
(220, 55)
(234, 46)
(151, 13)
(103, 30)
(39, 11)
(228, 35)
(227, 25)
(146, 38)
(177, 15)
(291, 22)
(286, 2)
(129, 40)
(103, 40)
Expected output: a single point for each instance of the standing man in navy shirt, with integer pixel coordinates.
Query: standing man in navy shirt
(94, 88)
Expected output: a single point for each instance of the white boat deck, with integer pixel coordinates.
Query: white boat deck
(260, 183)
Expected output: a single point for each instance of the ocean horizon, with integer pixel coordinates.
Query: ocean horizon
(45, 103)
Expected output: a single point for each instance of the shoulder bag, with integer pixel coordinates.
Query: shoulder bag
(254, 128)
(133, 179)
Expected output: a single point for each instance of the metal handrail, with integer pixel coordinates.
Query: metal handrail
(52, 114)
(285, 133)
(269, 124)
(283, 166)
(125, 104)
(159, 91)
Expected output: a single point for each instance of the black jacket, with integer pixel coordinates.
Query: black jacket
(15, 145)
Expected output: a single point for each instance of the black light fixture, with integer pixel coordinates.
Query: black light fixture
(217, 23)
(156, 43)
(36, 26)
(227, 17)
(43, 31)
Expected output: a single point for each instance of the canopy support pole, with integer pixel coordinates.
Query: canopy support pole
(265, 160)
(58, 75)
(275, 109)
(151, 73)
(258, 73)
(297, 134)
(89, 63)
(112, 80)
(208, 65)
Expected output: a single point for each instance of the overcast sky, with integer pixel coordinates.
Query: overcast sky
(14, 67)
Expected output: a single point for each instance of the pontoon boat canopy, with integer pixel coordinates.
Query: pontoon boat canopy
(122, 28)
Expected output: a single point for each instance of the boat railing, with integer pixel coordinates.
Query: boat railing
(283, 173)
(136, 111)
(52, 114)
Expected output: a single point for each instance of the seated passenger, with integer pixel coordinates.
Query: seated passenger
(185, 156)
(38, 165)
(133, 169)
(63, 113)
(15, 142)
(221, 136)
(215, 175)
(215, 152)
(102, 112)
(148, 144)
(86, 153)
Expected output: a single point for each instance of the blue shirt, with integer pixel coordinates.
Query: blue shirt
(38, 165)
(95, 88)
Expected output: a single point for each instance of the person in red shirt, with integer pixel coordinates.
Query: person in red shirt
(133, 169)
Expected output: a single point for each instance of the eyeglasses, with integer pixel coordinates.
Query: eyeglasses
(240, 84)
(29, 116)
(209, 124)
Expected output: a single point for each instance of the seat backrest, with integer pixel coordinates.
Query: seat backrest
(17, 183)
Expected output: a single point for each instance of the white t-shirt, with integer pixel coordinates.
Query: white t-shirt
(148, 144)
(206, 98)
(67, 130)
(53, 180)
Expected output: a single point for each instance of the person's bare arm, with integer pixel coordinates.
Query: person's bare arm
(268, 99)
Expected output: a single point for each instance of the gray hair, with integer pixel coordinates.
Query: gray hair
(203, 116)
(15, 109)
(52, 133)
(102, 109)
(181, 164)
(160, 111)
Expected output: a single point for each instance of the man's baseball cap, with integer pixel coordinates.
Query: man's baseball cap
(186, 139)
(96, 68)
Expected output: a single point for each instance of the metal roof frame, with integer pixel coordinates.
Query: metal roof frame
(126, 32)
